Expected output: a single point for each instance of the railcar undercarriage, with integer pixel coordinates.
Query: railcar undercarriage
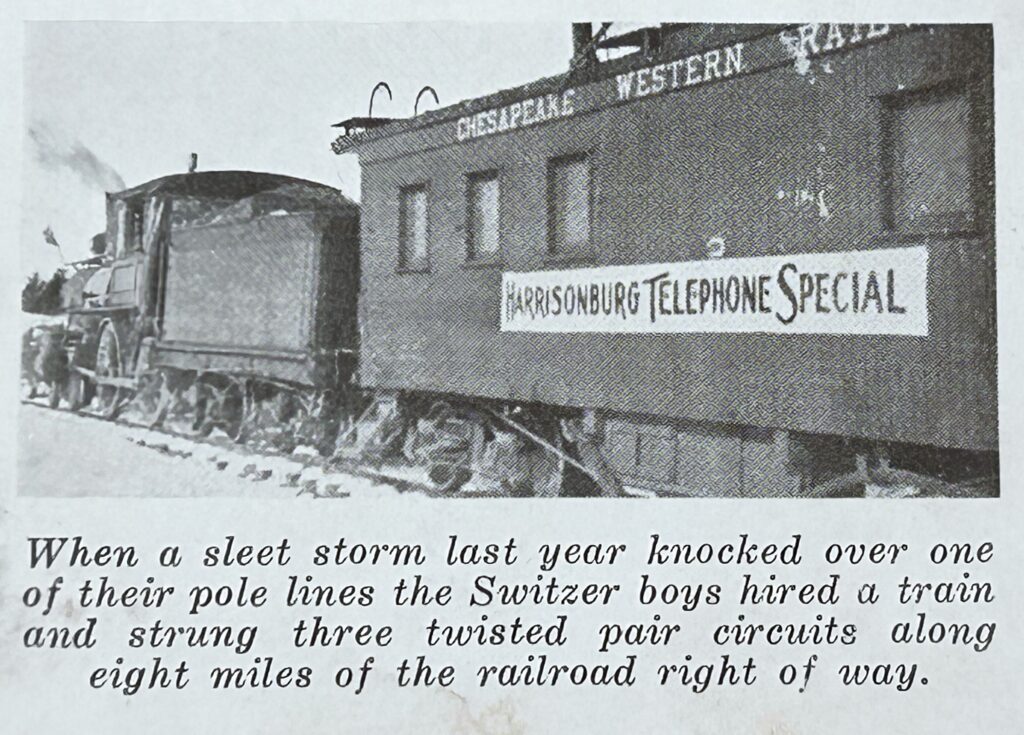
(456, 446)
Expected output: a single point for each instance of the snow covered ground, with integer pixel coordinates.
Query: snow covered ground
(67, 455)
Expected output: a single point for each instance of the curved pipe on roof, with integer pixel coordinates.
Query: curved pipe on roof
(416, 106)
(374, 93)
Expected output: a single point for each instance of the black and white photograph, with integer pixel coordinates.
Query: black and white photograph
(292, 286)
(669, 259)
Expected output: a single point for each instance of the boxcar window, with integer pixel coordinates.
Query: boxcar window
(569, 206)
(930, 162)
(412, 226)
(483, 205)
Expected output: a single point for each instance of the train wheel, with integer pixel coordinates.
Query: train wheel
(146, 403)
(223, 407)
(108, 365)
(201, 423)
(449, 477)
(286, 406)
(235, 411)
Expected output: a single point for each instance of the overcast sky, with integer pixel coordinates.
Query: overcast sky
(109, 102)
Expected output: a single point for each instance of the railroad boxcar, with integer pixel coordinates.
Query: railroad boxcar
(228, 284)
(777, 241)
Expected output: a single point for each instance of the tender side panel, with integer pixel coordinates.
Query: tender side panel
(247, 286)
(670, 172)
(291, 368)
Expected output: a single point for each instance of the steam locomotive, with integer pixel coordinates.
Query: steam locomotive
(799, 220)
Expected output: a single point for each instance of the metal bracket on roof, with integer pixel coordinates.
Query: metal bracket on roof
(374, 93)
(355, 125)
(416, 106)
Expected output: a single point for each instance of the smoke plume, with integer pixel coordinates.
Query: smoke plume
(55, 152)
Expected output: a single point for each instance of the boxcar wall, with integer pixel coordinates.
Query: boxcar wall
(817, 139)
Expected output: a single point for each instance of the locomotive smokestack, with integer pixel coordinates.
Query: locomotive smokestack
(193, 163)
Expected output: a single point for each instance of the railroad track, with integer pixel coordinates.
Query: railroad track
(309, 474)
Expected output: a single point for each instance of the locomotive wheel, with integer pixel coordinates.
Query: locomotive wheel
(108, 365)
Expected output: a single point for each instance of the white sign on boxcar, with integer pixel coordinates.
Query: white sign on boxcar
(857, 292)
